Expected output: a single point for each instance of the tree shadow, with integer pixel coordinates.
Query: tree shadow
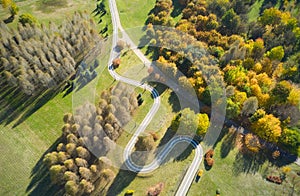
(228, 144)
(10, 19)
(248, 163)
(40, 183)
(36, 104)
(174, 102)
(121, 181)
(16, 104)
(177, 8)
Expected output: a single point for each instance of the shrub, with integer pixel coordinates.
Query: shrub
(27, 19)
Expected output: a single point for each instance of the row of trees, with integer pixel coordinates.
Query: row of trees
(35, 58)
(79, 160)
(258, 62)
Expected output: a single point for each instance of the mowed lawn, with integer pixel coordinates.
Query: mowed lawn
(227, 176)
(46, 12)
(134, 13)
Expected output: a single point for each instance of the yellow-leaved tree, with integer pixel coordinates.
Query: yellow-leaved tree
(267, 128)
(203, 124)
(6, 3)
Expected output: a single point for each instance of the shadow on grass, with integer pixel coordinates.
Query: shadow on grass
(121, 181)
(248, 163)
(36, 104)
(228, 144)
(40, 183)
(15, 104)
(174, 102)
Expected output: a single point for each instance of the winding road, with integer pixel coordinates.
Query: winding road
(192, 170)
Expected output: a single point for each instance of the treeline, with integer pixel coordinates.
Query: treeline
(38, 57)
(79, 163)
(258, 62)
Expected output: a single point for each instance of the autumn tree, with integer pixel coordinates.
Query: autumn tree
(268, 128)
(57, 174)
(71, 188)
(203, 124)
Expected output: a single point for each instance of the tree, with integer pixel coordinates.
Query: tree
(70, 176)
(270, 16)
(268, 128)
(145, 143)
(186, 122)
(203, 124)
(57, 174)
(27, 19)
(230, 22)
(290, 139)
(70, 165)
(6, 3)
(257, 115)
(71, 188)
(233, 109)
(276, 53)
(250, 106)
(294, 97)
(86, 186)
(252, 142)
(81, 162)
(50, 159)
(281, 91)
(83, 153)
(85, 173)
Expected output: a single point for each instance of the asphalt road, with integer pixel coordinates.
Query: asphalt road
(192, 170)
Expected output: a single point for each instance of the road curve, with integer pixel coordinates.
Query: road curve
(192, 170)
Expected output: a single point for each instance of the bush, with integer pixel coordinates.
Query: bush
(210, 162)
(27, 18)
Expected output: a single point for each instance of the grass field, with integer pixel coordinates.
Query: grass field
(227, 175)
(134, 13)
(21, 147)
(56, 11)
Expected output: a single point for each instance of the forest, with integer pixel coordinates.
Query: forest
(79, 162)
(258, 60)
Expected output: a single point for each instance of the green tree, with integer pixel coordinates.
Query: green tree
(188, 121)
(270, 16)
(233, 109)
(290, 139)
(276, 53)
(230, 22)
